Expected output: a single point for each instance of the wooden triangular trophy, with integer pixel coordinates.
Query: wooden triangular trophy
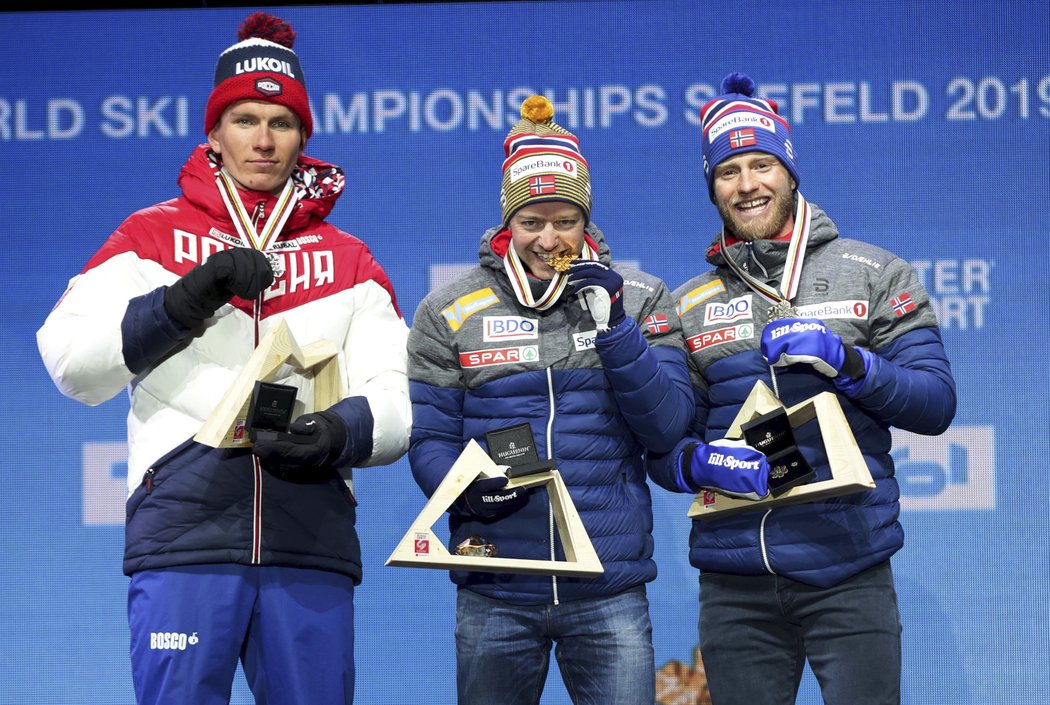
(849, 472)
(421, 548)
(226, 427)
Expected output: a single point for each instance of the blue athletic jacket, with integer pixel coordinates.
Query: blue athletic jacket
(873, 300)
(479, 360)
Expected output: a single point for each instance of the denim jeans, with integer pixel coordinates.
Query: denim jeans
(756, 633)
(603, 646)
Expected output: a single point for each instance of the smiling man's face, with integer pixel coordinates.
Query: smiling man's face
(754, 193)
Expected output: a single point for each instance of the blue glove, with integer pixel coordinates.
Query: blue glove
(588, 274)
(485, 498)
(313, 441)
(727, 466)
(809, 340)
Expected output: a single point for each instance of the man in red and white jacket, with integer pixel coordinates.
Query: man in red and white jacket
(239, 553)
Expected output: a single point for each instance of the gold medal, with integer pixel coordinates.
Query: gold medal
(561, 262)
(476, 546)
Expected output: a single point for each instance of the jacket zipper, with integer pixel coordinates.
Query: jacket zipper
(257, 514)
(550, 456)
(762, 542)
(259, 212)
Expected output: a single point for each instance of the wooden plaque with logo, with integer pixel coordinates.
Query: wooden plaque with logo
(226, 427)
(849, 472)
(422, 548)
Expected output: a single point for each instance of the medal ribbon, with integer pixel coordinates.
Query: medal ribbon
(242, 221)
(780, 301)
(796, 253)
(520, 283)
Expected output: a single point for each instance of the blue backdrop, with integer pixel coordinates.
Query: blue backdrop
(920, 127)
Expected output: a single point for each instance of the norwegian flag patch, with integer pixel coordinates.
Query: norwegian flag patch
(540, 185)
(657, 323)
(902, 304)
(742, 138)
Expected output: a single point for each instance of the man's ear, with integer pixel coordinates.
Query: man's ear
(212, 142)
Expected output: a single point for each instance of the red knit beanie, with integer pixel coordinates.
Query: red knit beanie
(262, 66)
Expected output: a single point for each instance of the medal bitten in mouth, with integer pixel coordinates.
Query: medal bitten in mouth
(560, 261)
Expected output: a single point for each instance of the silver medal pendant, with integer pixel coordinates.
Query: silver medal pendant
(276, 264)
(782, 309)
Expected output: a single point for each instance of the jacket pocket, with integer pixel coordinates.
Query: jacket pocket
(162, 471)
(151, 477)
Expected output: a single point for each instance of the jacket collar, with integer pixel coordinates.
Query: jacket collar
(318, 183)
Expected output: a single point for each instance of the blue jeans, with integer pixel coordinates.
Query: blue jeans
(603, 645)
(756, 633)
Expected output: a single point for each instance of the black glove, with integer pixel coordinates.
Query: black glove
(313, 441)
(485, 498)
(242, 271)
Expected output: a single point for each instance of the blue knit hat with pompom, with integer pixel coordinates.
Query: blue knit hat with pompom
(737, 122)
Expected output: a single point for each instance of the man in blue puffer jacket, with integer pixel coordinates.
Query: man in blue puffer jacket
(592, 360)
(794, 305)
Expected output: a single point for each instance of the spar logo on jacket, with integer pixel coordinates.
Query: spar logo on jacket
(500, 356)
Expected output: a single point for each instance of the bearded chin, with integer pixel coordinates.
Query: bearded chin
(758, 230)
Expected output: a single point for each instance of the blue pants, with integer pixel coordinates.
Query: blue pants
(291, 628)
(756, 633)
(604, 649)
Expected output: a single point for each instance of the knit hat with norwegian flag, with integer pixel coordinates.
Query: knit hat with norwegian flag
(543, 162)
(737, 122)
(263, 67)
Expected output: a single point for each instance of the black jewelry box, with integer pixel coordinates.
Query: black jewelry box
(771, 433)
(271, 407)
